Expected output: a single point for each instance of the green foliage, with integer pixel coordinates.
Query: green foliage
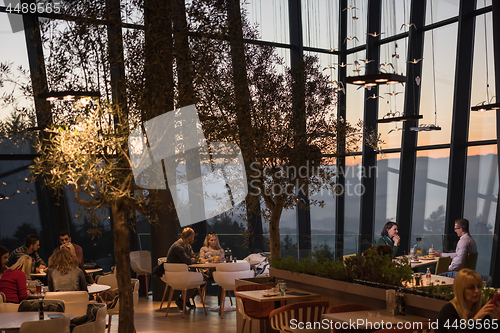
(371, 267)
(487, 294)
(438, 290)
(91, 159)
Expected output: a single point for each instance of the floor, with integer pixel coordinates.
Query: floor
(148, 318)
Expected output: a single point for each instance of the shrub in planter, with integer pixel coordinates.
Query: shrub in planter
(371, 267)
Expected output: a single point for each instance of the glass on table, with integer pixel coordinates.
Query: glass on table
(38, 286)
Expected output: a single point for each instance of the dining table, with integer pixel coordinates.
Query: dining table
(373, 320)
(421, 261)
(268, 295)
(435, 280)
(214, 264)
(91, 289)
(97, 288)
(12, 321)
(88, 271)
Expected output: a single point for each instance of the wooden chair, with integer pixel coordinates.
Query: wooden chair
(442, 265)
(471, 260)
(251, 309)
(303, 312)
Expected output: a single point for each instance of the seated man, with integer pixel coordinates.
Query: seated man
(464, 246)
(31, 245)
(181, 252)
(65, 239)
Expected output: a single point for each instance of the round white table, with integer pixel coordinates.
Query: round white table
(93, 270)
(97, 288)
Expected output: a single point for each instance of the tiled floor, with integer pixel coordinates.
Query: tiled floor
(149, 319)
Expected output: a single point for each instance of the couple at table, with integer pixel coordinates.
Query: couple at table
(31, 246)
(465, 245)
(182, 252)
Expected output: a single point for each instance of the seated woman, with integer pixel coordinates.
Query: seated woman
(13, 281)
(64, 274)
(69, 247)
(390, 237)
(466, 305)
(211, 248)
(4, 257)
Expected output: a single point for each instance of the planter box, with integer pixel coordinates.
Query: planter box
(340, 292)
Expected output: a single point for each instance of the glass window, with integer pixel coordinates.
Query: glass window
(15, 55)
(483, 3)
(438, 84)
(391, 97)
(395, 14)
(481, 197)
(323, 220)
(320, 20)
(289, 233)
(393, 54)
(441, 10)
(19, 207)
(132, 12)
(271, 18)
(386, 191)
(482, 124)
(355, 96)
(98, 249)
(352, 191)
(431, 186)
(230, 229)
(357, 12)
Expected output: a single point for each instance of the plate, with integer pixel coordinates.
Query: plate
(269, 294)
(427, 258)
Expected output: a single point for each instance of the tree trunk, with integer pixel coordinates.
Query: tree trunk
(274, 231)
(122, 266)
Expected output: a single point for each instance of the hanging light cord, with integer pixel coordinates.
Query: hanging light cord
(486, 55)
(433, 68)
(394, 26)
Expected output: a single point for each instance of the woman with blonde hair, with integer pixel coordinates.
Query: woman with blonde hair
(13, 281)
(211, 248)
(463, 311)
(64, 273)
(69, 247)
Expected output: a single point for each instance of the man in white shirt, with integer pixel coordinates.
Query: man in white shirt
(464, 246)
